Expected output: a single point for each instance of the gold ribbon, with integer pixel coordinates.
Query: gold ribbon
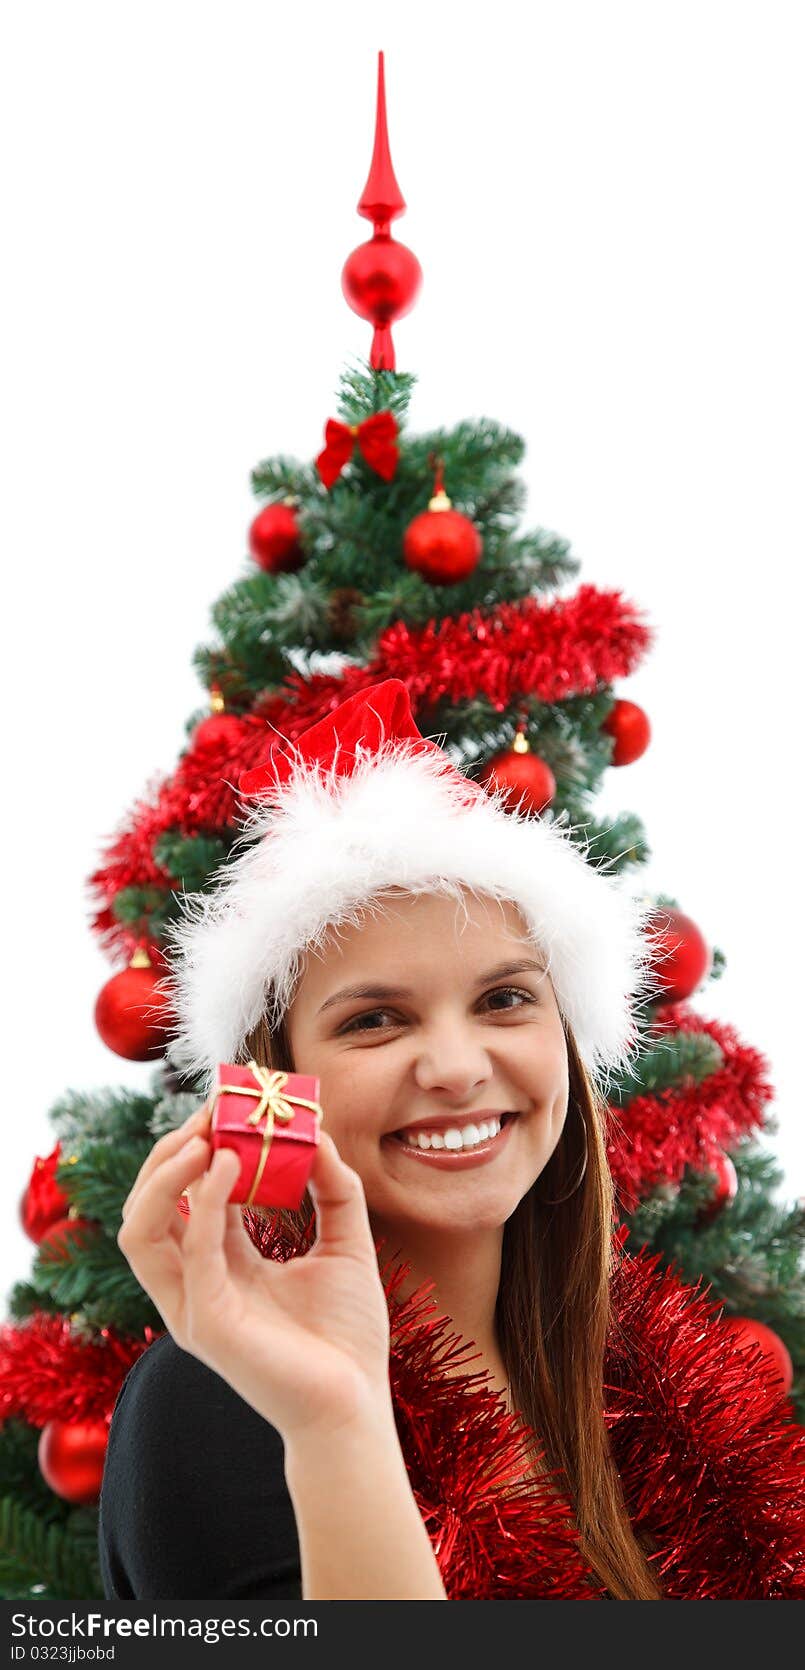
(274, 1101)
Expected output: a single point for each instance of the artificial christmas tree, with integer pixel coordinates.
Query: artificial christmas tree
(346, 555)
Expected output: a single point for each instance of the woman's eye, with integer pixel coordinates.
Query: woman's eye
(512, 991)
(359, 1024)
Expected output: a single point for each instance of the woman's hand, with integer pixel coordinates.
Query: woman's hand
(305, 1342)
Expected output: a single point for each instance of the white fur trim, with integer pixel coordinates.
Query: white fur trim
(334, 842)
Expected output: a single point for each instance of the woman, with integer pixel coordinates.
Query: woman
(457, 978)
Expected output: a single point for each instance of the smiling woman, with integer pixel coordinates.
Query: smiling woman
(461, 982)
(505, 1256)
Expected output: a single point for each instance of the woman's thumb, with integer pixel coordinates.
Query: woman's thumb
(342, 1219)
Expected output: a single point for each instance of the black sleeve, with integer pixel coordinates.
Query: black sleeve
(194, 1504)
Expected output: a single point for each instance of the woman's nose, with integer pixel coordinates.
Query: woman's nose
(452, 1058)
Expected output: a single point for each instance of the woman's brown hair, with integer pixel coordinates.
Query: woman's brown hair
(553, 1316)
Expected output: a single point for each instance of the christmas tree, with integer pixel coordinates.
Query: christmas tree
(391, 554)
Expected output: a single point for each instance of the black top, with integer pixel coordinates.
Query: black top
(194, 1504)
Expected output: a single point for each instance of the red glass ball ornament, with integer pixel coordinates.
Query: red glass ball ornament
(442, 545)
(630, 727)
(522, 776)
(274, 540)
(381, 279)
(63, 1237)
(725, 1190)
(132, 1017)
(746, 1332)
(43, 1202)
(220, 730)
(71, 1456)
(681, 957)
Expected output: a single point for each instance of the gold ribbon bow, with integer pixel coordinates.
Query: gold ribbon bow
(274, 1101)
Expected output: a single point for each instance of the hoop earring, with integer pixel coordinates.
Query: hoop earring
(560, 1198)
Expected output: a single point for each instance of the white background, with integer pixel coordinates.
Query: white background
(606, 201)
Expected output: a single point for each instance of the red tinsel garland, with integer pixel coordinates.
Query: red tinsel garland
(48, 1372)
(552, 651)
(568, 647)
(654, 1138)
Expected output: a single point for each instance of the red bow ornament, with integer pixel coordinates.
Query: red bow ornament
(376, 437)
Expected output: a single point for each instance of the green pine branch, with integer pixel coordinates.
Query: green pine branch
(617, 845)
(19, 1472)
(192, 860)
(116, 1113)
(48, 1561)
(280, 477)
(363, 391)
(154, 906)
(24, 1301)
(675, 1060)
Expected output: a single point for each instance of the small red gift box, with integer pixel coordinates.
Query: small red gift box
(272, 1120)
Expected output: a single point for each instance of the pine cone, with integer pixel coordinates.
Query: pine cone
(341, 613)
(175, 1083)
(229, 679)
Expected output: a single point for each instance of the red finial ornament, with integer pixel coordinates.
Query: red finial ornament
(381, 278)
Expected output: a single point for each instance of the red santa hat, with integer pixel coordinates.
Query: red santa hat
(362, 803)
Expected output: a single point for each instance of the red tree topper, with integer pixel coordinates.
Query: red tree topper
(381, 278)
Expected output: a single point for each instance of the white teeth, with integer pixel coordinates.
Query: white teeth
(454, 1138)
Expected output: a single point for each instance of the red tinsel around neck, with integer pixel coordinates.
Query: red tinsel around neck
(494, 1537)
(711, 1463)
(712, 1468)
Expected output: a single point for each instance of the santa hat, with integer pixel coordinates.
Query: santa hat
(362, 802)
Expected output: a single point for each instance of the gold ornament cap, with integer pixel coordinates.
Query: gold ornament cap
(440, 500)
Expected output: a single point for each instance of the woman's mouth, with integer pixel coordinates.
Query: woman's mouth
(458, 1147)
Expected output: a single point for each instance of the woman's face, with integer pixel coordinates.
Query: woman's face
(432, 1026)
